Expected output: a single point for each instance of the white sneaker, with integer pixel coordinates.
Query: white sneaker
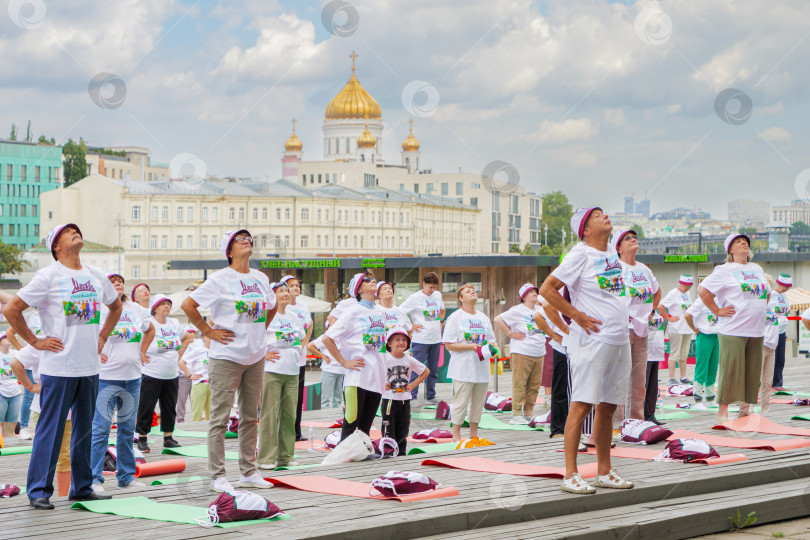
(254, 480)
(288, 464)
(518, 421)
(577, 485)
(266, 466)
(612, 480)
(26, 435)
(133, 484)
(700, 406)
(97, 488)
(221, 484)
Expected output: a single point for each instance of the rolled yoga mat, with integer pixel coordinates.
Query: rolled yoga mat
(773, 445)
(651, 453)
(15, 450)
(167, 466)
(479, 464)
(145, 508)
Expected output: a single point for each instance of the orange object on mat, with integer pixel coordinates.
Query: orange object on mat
(348, 488)
(652, 453)
(167, 466)
(755, 423)
(736, 442)
(479, 464)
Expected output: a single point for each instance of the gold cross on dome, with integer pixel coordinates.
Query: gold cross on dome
(411, 123)
(353, 56)
(293, 123)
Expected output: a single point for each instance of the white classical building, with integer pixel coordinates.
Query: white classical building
(352, 132)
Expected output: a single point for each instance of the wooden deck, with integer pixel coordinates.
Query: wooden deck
(671, 500)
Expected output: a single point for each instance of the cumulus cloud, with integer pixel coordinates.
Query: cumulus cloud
(776, 134)
(580, 129)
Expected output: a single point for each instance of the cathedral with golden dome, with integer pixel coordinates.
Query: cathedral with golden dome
(352, 131)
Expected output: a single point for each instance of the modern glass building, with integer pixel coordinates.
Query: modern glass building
(26, 170)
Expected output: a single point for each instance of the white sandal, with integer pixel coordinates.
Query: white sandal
(577, 485)
(612, 480)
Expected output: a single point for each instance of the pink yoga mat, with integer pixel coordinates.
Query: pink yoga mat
(479, 464)
(652, 453)
(348, 488)
(736, 442)
(755, 423)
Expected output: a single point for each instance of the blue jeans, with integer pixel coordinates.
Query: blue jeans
(331, 390)
(10, 409)
(59, 396)
(122, 398)
(28, 398)
(428, 354)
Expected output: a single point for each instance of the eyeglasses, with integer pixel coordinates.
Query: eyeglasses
(243, 239)
(369, 279)
(629, 237)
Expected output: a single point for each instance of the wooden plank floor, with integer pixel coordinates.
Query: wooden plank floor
(489, 505)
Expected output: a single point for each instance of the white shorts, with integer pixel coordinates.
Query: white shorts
(599, 371)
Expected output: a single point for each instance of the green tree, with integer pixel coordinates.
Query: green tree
(514, 248)
(747, 230)
(528, 250)
(45, 140)
(11, 259)
(800, 227)
(13, 135)
(75, 162)
(636, 227)
(557, 213)
(545, 250)
(28, 132)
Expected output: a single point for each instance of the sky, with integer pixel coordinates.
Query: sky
(691, 103)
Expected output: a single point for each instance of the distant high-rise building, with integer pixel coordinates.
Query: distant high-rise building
(643, 208)
(628, 205)
(749, 212)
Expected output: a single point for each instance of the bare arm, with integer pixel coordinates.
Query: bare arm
(116, 307)
(220, 335)
(708, 301)
(460, 347)
(691, 322)
(271, 313)
(146, 340)
(656, 299)
(185, 341)
(355, 363)
(13, 312)
(554, 315)
(12, 337)
(22, 376)
(543, 325)
(549, 291)
(500, 324)
(418, 380)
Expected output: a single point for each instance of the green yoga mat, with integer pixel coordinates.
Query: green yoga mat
(489, 422)
(180, 480)
(430, 448)
(190, 434)
(199, 450)
(673, 416)
(786, 393)
(801, 417)
(145, 508)
(15, 450)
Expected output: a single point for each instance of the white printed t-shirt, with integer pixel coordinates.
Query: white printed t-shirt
(743, 286)
(519, 318)
(641, 287)
(238, 302)
(163, 351)
(332, 366)
(196, 359)
(474, 328)
(123, 347)
(427, 311)
(677, 303)
(398, 375)
(703, 319)
(779, 305)
(594, 280)
(305, 317)
(69, 305)
(8, 383)
(360, 333)
(284, 336)
(394, 316)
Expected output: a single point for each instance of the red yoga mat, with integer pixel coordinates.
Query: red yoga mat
(736, 442)
(348, 488)
(651, 453)
(167, 466)
(479, 464)
(755, 423)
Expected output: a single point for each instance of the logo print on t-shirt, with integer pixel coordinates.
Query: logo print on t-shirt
(374, 333)
(475, 331)
(608, 272)
(656, 322)
(79, 301)
(431, 311)
(169, 340)
(285, 332)
(640, 290)
(751, 284)
(5, 367)
(531, 326)
(249, 300)
(125, 330)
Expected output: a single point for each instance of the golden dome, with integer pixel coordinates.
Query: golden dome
(353, 101)
(366, 139)
(410, 144)
(293, 144)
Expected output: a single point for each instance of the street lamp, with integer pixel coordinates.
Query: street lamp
(545, 231)
(700, 240)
